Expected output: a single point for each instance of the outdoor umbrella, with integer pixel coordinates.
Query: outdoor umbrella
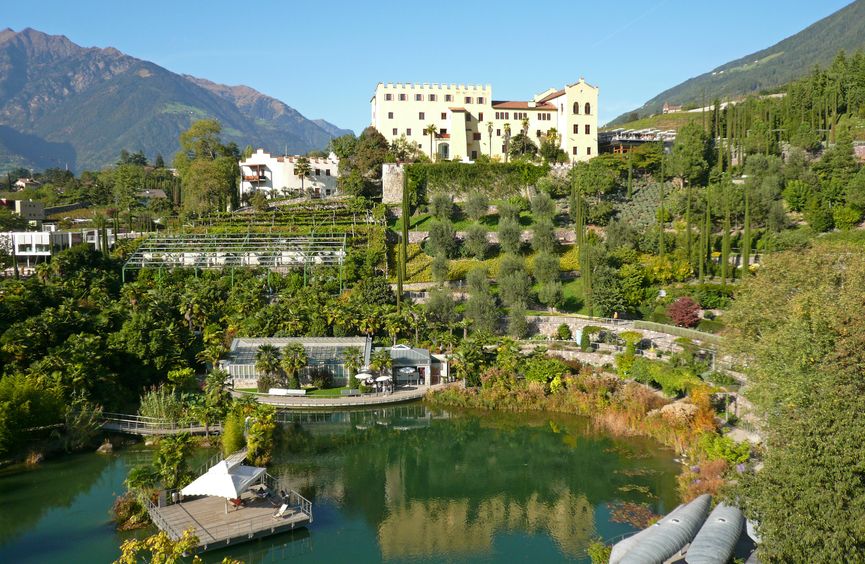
(363, 375)
(384, 379)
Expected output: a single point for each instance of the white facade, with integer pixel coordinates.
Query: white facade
(470, 123)
(275, 176)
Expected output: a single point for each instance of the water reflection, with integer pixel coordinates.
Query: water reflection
(438, 483)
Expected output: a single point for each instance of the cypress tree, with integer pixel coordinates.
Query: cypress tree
(746, 243)
(630, 175)
(661, 246)
(688, 226)
(725, 241)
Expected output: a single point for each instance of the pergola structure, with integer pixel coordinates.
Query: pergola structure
(251, 250)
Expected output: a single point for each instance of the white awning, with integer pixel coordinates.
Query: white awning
(223, 480)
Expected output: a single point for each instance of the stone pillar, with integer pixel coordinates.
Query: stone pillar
(392, 179)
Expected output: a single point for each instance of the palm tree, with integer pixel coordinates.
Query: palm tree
(267, 364)
(525, 123)
(302, 169)
(352, 358)
(490, 133)
(507, 129)
(381, 361)
(294, 359)
(431, 130)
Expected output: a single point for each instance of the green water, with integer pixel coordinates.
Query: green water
(402, 484)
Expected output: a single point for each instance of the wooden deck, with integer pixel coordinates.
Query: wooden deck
(215, 528)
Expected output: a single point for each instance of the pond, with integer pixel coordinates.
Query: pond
(400, 484)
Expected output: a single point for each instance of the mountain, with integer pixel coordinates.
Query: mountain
(65, 105)
(818, 44)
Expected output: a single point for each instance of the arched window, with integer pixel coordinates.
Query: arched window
(576, 107)
(588, 109)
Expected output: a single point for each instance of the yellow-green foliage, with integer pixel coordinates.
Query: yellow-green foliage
(570, 260)
(663, 269)
(232, 434)
(717, 447)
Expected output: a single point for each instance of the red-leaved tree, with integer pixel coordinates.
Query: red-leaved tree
(684, 312)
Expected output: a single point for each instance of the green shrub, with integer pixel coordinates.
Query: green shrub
(543, 369)
(563, 333)
(598, 552)
(674, 382)
(585, 341)
(718, 447)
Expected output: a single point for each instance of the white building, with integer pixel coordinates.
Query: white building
(469, 123)
(275, 176)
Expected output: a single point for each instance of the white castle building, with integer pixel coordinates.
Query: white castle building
(469, 123)
(275, 176)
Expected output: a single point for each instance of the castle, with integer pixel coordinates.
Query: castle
(469, 123)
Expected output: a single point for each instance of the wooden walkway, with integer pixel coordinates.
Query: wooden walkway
(216, 528)
(311, 402)
(149, 426)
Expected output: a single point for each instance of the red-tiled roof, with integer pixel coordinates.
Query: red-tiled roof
(549, 97)
(501, 105)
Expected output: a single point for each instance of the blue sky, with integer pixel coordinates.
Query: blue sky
(324, 59)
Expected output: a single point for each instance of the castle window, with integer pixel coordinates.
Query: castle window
(476, 136)
(431, 97)
(498, 132)
(481, 116)
(588, 150)
(576, 129)
(468, 99)
(327, 172)
(480, 100)
(576, 107)
(588, 110)
(394, 132)
(418, 97)
(408, 131)
(588, 129)
(575, 150)
(474, 155)
(388, 97)
(318, 172)
(420, 115)
(402, 97)
(449, 98)
(390, 115)
(444, 115)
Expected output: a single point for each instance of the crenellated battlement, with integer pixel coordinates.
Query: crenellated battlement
(435, 86)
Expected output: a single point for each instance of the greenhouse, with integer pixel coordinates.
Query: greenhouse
(253, 250)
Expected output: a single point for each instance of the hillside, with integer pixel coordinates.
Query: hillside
(65, 105)
(770, 68)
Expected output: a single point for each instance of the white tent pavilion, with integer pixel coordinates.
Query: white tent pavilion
(224, 480)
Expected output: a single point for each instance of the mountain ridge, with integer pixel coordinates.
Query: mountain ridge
(62, 104)
(769, 68)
